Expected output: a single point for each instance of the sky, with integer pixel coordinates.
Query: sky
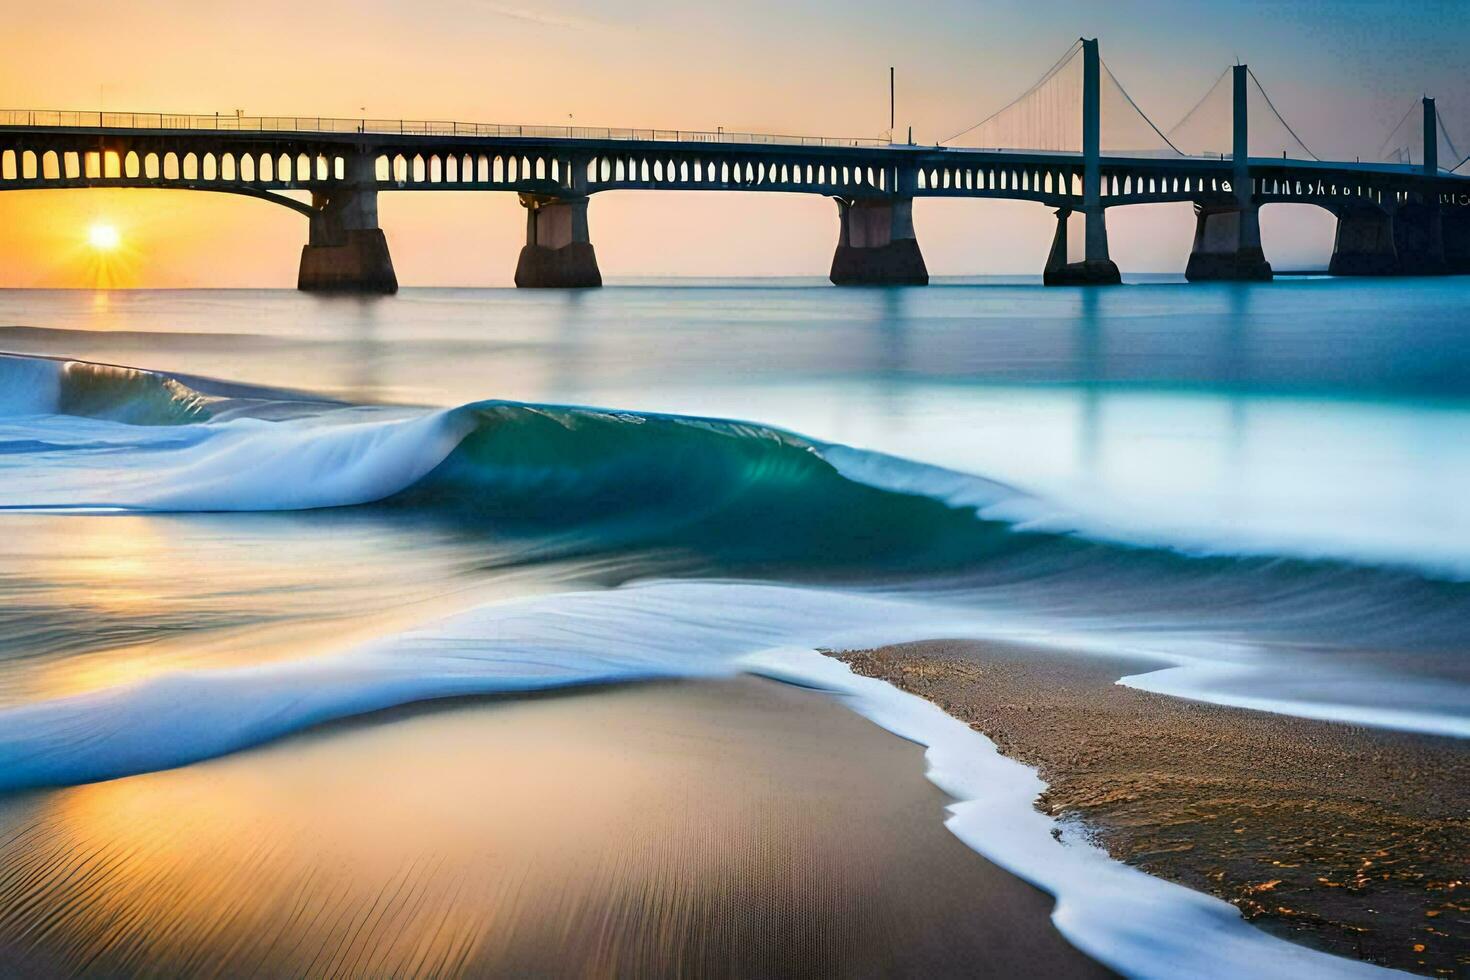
(1341, 73)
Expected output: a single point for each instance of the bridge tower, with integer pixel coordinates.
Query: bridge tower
(1096, 267)
(1227, 236)
(345, 250)
(1431, 138)
(1403, 234)
(1418, 225)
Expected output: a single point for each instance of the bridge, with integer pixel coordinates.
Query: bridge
(1396, 216)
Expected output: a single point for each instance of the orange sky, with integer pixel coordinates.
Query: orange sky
(815, 67)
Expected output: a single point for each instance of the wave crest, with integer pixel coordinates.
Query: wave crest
(42, 386)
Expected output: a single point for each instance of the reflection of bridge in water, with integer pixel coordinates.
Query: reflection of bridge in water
(1394, 217)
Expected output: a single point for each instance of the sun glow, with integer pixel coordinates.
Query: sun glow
(103, 237)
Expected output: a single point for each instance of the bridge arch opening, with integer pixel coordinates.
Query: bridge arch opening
(1151, 239)
(714, 233)
(158, 255)
(970, 236)
(1297, 237)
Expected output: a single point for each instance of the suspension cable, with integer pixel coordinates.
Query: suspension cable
(1061, 62)
(1445, 132)
(1270, 105)
(1136, 109)
(1397, 126)
(1202, 100)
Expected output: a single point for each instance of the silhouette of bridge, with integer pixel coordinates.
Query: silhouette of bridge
(1075, 142)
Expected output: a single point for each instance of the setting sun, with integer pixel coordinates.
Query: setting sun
(103, 237)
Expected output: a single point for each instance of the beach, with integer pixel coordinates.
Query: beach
(724, 828)
(1349, 839)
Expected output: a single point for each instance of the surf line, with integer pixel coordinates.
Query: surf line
(1128, 920)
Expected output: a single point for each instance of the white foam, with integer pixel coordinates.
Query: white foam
(257, 465)
(660, 629)
(1139, 925)
(1222, 684)
(244, 464)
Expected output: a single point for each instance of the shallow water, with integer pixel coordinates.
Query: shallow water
(1261, 488)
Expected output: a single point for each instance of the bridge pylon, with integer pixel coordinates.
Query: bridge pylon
(346, 251)
(1227, 236)
(1096, 267)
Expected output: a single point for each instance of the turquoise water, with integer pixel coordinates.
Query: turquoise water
(1311, 416)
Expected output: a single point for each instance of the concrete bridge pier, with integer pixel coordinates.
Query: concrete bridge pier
(1227, 245)
(876, 245)
(1456, 230)
(1406, 239)
(558, 252)
(345, 250)
(1094, 267)
(1418, 238)
(1364, 245)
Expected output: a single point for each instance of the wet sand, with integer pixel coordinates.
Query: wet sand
(1349, 839)
(732, 828)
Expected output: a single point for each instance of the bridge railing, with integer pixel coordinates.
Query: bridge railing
(229, 122)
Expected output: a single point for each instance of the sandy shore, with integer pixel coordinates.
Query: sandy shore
(739, 828)
(1349, 839)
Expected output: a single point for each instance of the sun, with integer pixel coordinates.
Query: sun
(103, 237)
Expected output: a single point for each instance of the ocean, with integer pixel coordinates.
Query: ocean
(232, 516)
